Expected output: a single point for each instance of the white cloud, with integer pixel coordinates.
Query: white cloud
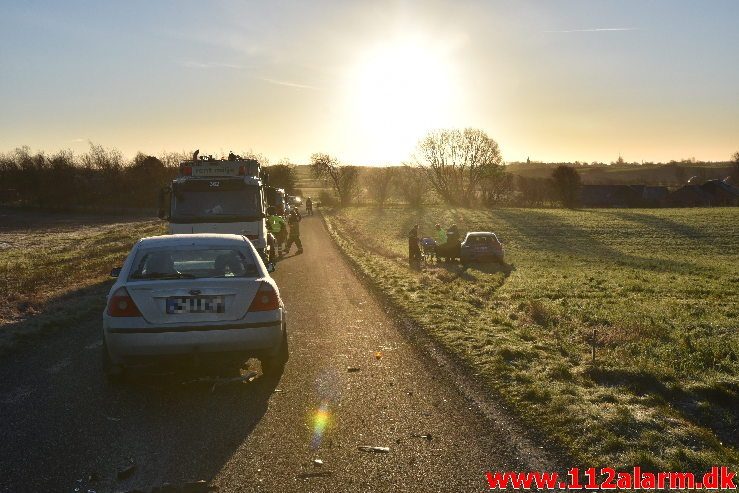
(595, 30)
(287, 83)
(209, 65)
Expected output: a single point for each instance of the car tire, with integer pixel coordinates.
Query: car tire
(274, 364)
(115, 374)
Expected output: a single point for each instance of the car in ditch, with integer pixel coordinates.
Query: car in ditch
(481, 246)
(193, 297)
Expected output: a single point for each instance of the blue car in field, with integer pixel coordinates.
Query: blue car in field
(481, 246)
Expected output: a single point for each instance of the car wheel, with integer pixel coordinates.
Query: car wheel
(275, 364)
(114, 373)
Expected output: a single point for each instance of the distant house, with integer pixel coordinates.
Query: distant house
(615, 195)
(655, 196)
(689, 195)
(712, 193)
(722, 193)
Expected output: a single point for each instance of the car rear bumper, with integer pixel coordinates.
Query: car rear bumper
(480, 257)
(131, 344)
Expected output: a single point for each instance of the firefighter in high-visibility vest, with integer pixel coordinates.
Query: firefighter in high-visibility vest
(294, 236)
(440, 238)
(277, 226)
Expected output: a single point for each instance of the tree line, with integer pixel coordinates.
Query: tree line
(100, 178)
(457, 167)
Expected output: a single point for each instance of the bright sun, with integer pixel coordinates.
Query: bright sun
(399, 91)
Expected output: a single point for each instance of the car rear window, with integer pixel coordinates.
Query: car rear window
(192, 263)
(480, 240)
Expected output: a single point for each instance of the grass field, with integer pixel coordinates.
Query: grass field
(54, 268)
(660, 287)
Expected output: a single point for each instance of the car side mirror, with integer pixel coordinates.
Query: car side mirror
(115, 272)
(271, 267)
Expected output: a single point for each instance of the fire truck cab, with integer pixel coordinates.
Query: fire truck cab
(218, 196)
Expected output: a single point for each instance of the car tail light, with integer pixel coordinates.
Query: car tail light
(187, 170)
(265, 299)
(242, 170)
(122, 305)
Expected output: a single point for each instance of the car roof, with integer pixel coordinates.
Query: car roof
(200, 239)
(480, 233)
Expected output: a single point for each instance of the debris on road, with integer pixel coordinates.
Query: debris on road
(352, 369)
(425, 437)
(317, 462)
(127, 471)
(378, 355)
(247, 377)
(200, 486)
(316, 474)
(377, 450)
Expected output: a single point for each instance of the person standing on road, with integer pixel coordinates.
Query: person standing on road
(414, 252)
(277, 227)
(294, 236)
(309, 206)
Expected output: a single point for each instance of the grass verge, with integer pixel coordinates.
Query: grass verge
(53, 274)
(660, 288)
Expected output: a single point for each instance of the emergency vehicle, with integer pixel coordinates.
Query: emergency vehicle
(219, 196)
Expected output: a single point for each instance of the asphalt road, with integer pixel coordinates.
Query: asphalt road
(62, 426)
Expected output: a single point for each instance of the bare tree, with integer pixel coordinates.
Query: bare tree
(379, 181)
(106, 160)
(172, 160)
(497, 187)
(534, 192)
(344, 179)
(567, 184)
(735, 168)
(412, 185)
(283, 175)
(456, 161)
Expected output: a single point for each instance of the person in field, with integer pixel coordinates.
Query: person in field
(414, 251)
(440, 238)
(294, 236)
(451, 250)
(278, 227)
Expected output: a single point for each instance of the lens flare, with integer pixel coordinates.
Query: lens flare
(321, 420)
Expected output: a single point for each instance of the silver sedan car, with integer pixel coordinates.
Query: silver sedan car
(193, 296)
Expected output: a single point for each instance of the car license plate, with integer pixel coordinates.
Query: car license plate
(195, 304)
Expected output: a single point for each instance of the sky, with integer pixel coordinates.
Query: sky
(551, 80)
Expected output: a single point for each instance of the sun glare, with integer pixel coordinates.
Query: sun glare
(398, 91)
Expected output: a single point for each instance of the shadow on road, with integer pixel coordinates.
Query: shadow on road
(64, 426)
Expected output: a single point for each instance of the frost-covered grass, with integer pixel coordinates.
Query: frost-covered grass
(54, 268)
(660, 287)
